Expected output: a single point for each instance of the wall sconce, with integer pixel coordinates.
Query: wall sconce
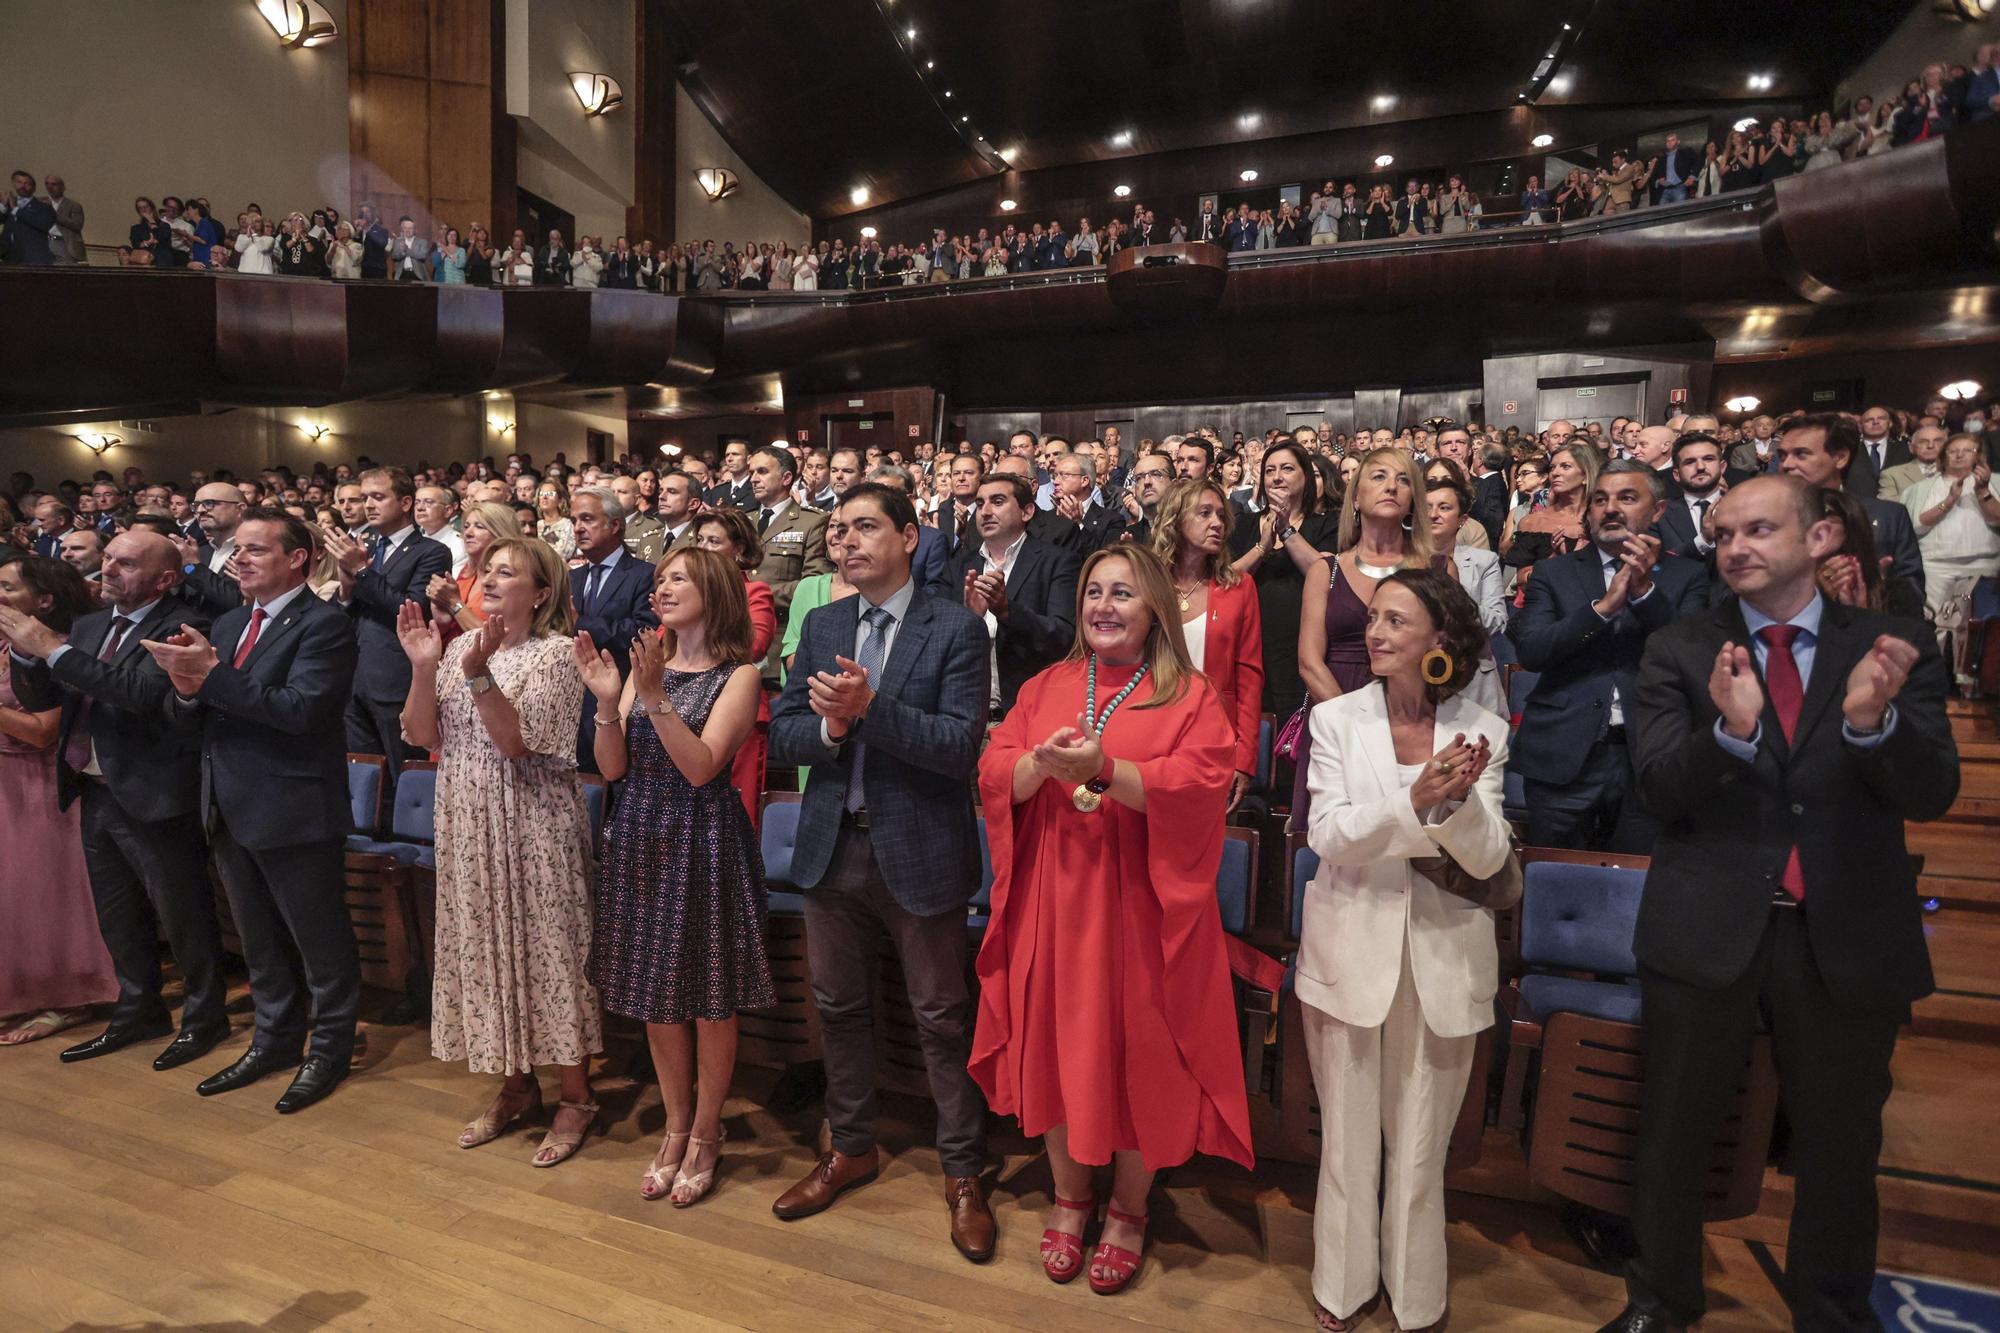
(1968, 11)
(670, 449)
(1742, 403)
(599, 93)
(299, 22)
(716, 182)
(97, 444)
(501, 427)
(314, 431)
(1960, 391)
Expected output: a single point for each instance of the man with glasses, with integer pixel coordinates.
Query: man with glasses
(1151, 476)
(1078, 498)
(208, 575)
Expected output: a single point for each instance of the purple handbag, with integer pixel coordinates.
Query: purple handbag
(1292, 735)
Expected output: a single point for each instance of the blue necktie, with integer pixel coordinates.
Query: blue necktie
(870, 657)
(594, 585)
(379, 551)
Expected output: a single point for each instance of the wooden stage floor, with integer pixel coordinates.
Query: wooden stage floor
(128, 1202)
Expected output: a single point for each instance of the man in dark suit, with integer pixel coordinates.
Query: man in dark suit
(207, 583)
(1023, 591)
(268, 695)
(374, 238)
(732, 487)
(1698, 473)
(374, 584)
(1821, 450)
(1043, 525)
(25, 239)
(612, 592)
(1207, 227)
(957, 516)
(552, 266)
(887, 704)
(1583, 625)
(1150, 476)
(1878, 449)
(931, 565)
(1654, 446)
(1783, 741)
(138, 776)
(1672, 174)
(1076, 497)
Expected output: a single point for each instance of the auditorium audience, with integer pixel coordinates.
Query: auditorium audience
(1821, 450)
(513, 838)
(1556, 525)
(55, 966)
(679, 939)
(1397, 961)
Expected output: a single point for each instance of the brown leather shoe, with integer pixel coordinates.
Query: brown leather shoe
(972, 1226)
(834, 1174)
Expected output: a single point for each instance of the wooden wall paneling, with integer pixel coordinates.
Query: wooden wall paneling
(393, 37)
(460, 164)
(461, 41)
(654, 107)
(422, 111)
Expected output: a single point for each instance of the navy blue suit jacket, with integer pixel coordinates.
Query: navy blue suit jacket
(622, 608)
(923, 734)
(274, 745)
(1582, 657)
(383, 673)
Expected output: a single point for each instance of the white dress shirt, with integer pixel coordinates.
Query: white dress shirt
(1003, 565)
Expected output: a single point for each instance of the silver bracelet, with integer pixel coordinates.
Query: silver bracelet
(638, 709)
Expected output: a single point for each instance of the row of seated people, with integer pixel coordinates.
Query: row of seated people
(183, 732)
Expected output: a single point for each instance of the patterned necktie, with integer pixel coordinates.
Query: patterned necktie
(249, 639)
(1788, 695)
(870, 657)
(113, 636)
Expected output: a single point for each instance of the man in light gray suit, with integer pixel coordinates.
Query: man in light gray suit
(409, 253)
(66, 241)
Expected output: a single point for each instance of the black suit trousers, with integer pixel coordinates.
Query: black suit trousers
(1833, 1074)
(374, 727)
(291, 913)
(1601, 811)
(145, 876)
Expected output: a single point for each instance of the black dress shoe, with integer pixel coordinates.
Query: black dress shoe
(115, 1038)
(1605, 1238)
(316, 1078)
(192, 1044)
(1632, 1319)
(252, 1065)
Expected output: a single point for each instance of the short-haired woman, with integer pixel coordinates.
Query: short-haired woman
(459, 601)
(1219, 618)
(1478, 572)
(55, 965)
(500, 707)
(679, 942)
(731, 534)
(1105, 1022)
(1396, 976)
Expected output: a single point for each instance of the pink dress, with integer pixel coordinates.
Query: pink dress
(54, 958)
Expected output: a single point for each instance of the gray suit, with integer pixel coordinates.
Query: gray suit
(68, 247)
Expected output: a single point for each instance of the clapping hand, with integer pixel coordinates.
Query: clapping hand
(486, 641)
(649, 671)
(1070, 508)
(1736, 692)
(1840, 579)
(422, 643)
(991, 590)
(840, 697)
(189, 549)
(599, 671)
(975, 597)
(1450, 773)
(350, 555)
(1876, 681)
(1982, 474)
(22, 633)
(1072, 754)
(443, 593)
(186, 657)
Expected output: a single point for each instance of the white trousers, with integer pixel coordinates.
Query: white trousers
(1385, 1093)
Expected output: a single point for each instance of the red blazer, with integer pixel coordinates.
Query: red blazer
(1233, 660)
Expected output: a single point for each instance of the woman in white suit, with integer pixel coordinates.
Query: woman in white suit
(1396, 976)
(1449, 500)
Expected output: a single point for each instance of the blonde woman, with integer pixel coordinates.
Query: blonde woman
(343, 257)
(552, 523)
(458, 603)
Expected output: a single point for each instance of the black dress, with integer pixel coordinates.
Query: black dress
(1381, 219)
(478, 268)
(1280, 591)
(679, 933)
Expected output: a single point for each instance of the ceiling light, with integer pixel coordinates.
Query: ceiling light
(1741, 403)
(1383, 101)
(299, 22)
(930, 64)
(963, 119)
(1744, 124)
(1759, 82)
(716, 182)
(1122, 191)
(1385, 160)
(1565, 27)
(1249, 120)
(1009, 153)
(868, 233)
(97, 444)
(1542, 140)
(1560, 85)
(1247, 175)
(1960, 391)
(1122, 139)
(599, 93)
(1006, 205)
(858, 195)
(947, 92)
(910, 33)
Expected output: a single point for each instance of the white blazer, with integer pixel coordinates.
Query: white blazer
(1366, 900)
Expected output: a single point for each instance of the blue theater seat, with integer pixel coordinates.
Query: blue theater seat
(412, 821)
(1580, 918)
(364, 791)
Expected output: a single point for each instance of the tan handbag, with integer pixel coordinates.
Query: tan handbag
(1497, 892)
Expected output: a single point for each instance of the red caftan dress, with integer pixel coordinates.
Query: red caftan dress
(1105, 1002)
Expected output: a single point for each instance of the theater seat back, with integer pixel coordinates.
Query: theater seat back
(779, 833)
(1234, 878)
(1580, 918)
(364, 792)
(412, 812)
(1305, 864)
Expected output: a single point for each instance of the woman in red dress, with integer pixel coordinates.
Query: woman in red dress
(1219, 616)
(1103, 792)
(730, 533)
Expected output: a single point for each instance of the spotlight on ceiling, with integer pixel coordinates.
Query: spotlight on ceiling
(868, 233)
(1247, 175)
(1122, 191)
(858, 195)
(1009, 153)
(1383, 102)
(299, 22)
(947, 92)
(1759, 83)
(716, 182)
(1006, 205)
(963, 119)
(1960, 391)
(1542, 140)
(930, 64)
(1741, 403)
(599, 93)
(1249, 120)
(910, 33)
(1386, 160)
(1744, 123)
(1122, 139)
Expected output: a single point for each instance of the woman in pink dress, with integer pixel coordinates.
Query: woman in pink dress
(55, 965)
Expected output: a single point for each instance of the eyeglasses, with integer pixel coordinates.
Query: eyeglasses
(210, 504)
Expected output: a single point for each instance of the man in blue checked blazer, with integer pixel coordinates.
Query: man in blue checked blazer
(886, 704)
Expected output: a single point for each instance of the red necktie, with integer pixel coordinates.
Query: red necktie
(249, 639)
(1788, 694)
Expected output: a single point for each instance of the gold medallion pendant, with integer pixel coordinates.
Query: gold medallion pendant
(1085, 799)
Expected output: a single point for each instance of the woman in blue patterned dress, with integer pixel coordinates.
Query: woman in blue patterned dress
(679, 937)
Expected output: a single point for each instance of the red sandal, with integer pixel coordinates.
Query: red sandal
(1123, 1263)
(1066, 1246)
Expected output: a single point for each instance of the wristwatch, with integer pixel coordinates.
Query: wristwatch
(1102, 782)
(1285, 534)
(479, 684)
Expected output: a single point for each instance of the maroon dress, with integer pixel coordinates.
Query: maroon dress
(1346, 657)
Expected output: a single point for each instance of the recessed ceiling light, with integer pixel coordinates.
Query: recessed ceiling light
(1383, 101)
(1006, 205)
(1249, 120)
(930, 64)
(1759, 82)
(947, 92)
(963, 119)
(868, 233)
(1122, 191)
(1565, 27)
(1122, 139)
(1543, 140)
(910, 33)
(1246, 175)
(858, 195)
(1386, 159)
(1009, 153)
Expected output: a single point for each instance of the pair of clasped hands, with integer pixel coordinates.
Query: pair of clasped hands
(1452, 772)
(1072, 755)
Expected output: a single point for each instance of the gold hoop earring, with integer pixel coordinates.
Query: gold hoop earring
(1437, 667)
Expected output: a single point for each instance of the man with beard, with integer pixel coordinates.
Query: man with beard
(1151, 475)
(1583, 626)
(1698, 472)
